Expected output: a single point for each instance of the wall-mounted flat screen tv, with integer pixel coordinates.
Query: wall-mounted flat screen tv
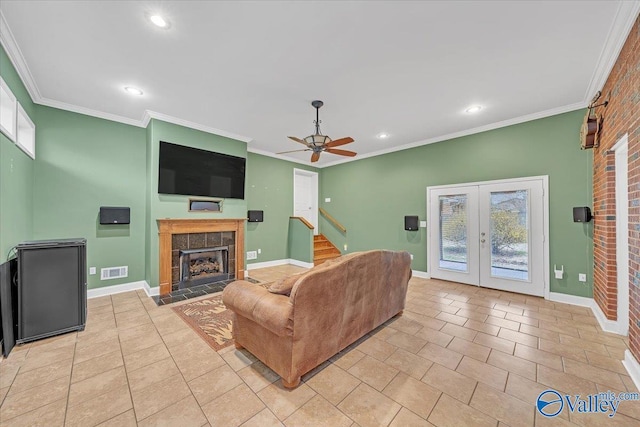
(194, 172)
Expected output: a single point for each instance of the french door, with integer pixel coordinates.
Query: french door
(490, 234)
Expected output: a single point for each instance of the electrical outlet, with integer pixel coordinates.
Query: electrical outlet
(411, 256)
(327, 199)
(259, 251)
(582, 277)
(92, 270)
(252, 255)
(345, 246)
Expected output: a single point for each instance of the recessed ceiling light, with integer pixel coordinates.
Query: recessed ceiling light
(473, 109)
(383, 135)
(133, 90)
(159, 21)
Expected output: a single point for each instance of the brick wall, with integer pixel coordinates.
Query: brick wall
(622, 116)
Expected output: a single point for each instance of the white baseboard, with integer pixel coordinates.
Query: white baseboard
(300, 263)
(606, 324)
(571, 299)
(277, 262)
(421, 274)
(125, 287)
(265, 264)
(633, 367)
(151, 292)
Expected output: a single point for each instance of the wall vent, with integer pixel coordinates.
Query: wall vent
(114, 272)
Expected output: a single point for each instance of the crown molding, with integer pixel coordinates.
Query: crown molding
(626, 16)
(279, 156)
(148, 115)
(491, 126)
(17, 59)
(622, 24)
(88, 111)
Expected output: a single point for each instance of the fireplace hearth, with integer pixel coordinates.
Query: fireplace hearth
(203, 266)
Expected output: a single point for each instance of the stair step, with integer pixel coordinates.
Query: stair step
(323, 250)
(326, 251)
(322, 245)
(329, 255)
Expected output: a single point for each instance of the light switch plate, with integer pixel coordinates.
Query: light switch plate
(423, 224)
(582, 277)
(327, 199)
(92, 270)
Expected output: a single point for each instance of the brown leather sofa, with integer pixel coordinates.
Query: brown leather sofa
(303, 320)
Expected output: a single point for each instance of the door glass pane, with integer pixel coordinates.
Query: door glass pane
(510, 234)
(453, 232)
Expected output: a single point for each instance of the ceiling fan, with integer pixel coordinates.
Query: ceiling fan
(317, 143)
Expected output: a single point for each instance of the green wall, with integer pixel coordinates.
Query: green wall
(370, 197)
(269, 188)
(16, 173)
(174, 206)
(83, 163)
(300, 241)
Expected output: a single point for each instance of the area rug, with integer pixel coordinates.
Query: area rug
(210, 319)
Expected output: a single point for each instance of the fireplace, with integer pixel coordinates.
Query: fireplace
(179, 234)
(203, 266)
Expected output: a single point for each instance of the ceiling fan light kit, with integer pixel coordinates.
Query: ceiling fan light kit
(318, 142)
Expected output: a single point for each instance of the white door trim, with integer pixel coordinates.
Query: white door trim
(545, 210)
(621, 150)
(314, 197)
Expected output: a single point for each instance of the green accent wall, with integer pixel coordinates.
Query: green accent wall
(370, 197)
(16, 173)
(300, 241)
(160, 206)
(269, 188)
(83, 163)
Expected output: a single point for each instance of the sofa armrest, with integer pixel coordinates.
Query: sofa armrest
(272, 311)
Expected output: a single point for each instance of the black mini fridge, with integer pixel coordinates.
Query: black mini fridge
(51, 288)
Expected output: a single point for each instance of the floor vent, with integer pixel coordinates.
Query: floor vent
(113, 273)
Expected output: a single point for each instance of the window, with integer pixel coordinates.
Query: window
(8, 109)
(26, 139)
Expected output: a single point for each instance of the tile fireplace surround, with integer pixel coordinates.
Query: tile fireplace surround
(167, 228)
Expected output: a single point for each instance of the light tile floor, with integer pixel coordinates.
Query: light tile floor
(457, 356)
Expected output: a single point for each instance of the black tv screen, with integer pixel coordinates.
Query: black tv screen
(194, 172)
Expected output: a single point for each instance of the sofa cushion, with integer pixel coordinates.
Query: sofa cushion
(284, 286)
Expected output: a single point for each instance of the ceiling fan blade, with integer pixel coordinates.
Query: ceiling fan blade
(315, 156)
(341, 152)
(293, 151)
(297, 140)
(338, 142)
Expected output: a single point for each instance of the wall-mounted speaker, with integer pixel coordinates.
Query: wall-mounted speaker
(582, 214)
(255, 216)
(110, 215)
(411, 222)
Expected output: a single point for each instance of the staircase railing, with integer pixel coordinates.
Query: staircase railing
(332, 220)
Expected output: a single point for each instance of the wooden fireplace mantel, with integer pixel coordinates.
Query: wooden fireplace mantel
(168, 227)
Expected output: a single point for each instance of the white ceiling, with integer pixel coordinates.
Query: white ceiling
(250, 69)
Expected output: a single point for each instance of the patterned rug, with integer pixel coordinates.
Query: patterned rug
(210, 318)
